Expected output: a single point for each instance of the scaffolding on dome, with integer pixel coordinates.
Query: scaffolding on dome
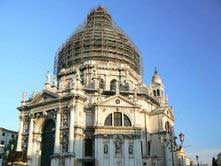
(100, 38)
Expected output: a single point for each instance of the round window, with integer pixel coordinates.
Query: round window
(117, 101)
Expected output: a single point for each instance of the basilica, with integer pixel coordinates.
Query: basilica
(95, 109)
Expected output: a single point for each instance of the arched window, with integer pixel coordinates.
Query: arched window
(108, 120)
(126, 121)
(113, 85)
(118, 120)
(102, 84)
(158, 92)
(154, 92)
(167, 126)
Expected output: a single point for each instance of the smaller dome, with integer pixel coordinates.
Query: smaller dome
(156, 79)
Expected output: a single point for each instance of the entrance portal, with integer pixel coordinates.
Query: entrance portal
(47, 145)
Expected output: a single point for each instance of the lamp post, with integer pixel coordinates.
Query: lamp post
(197, 160)
(170, 140)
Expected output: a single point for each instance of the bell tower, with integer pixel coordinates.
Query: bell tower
(158, 89)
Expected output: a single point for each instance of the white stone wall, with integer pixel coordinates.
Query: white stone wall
(90, 109)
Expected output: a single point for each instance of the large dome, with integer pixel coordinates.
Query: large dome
(99, 39)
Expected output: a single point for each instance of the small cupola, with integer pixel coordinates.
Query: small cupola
(156, 79)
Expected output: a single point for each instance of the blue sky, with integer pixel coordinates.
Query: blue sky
(181, 38)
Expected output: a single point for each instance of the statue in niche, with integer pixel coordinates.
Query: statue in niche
(64, 141)
(118, 145)
(105, 149)
(130, 149)
(65, 119)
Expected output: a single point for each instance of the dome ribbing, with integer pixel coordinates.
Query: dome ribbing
(99, 39)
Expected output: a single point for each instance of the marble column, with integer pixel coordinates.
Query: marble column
(30, 138)
(112, 151)
(57, 133)
(71, 130)
(21, 126)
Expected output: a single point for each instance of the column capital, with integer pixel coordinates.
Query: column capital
(72, 106)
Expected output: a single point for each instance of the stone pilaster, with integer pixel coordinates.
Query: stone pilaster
(57, 133)
(30, 138)
(21, 126)
(71, 130)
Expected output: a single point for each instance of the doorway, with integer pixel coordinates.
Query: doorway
(47, 144)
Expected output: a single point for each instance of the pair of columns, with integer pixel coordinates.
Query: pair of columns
(57, 146)
(21, 130)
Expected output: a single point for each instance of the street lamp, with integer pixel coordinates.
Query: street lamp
(197, 160)
(170, 140)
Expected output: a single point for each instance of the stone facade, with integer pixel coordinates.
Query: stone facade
(103, 114)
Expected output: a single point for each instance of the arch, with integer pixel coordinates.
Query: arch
(113, 84)
(117, 119)
(154, 92)
(47, 144)
(108, 120)
(158, 92)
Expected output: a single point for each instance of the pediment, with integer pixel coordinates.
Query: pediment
(43, 96)
(117, 101)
